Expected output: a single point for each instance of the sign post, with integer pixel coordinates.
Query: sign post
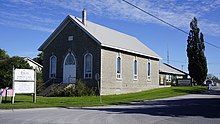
(97, 78)
(13, 97)
(35, 87)
(24, 82)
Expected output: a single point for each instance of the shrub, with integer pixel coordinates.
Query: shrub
(40, 85)
(79, 89)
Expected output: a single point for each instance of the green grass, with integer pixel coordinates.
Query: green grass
(25, 101)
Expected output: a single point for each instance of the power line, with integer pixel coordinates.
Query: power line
(176, 61)
(173, 26)
(212, 44)
(209, 63)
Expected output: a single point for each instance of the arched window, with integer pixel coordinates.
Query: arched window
(53, 66)
(118, 67)
(88, 65)
(148, 71)
(70, 60)
(135, 69)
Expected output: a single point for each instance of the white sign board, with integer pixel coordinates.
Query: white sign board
(184, 82)
(24, 87)
(24, 75)
(24, 81)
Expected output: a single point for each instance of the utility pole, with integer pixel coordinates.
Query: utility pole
(168, 57)
(182, 67)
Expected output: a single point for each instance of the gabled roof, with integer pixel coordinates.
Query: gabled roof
(105, 37)
(31, 60)
(165, 68)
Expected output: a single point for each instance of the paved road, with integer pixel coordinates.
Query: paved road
(189, 109)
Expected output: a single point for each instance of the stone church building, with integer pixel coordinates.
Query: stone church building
(79, 49)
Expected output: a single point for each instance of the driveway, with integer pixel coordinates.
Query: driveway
(188, 109)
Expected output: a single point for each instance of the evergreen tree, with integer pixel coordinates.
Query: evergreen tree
(197, 65)
(39, 58)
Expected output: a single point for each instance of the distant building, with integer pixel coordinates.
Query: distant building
(79, 49)
(170, 74)
(33, 64)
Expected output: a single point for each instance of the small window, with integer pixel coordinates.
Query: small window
(70, 38)
(168, 78)
(88, 66)
(149, 70)
(53, 64)
(135, 69)
(118, 67)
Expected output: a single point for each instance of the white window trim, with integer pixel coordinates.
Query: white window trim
(149, 75)
(119, 55)
(85, 66)
(135, 75)
(55, 67)
(168, 78)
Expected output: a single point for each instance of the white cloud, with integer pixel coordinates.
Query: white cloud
(178, 13)
(210, 28)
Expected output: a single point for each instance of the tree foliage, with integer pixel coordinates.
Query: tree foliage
(39, 58)
(3, 54)
(213, 77)
(40, 83)
(197, 64)
(6, 69)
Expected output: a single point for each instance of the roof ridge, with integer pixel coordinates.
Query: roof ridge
(115, 31)
(106, 37)
(78, 19)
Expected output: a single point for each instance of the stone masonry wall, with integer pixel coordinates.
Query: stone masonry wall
(81, 44)
(111, 85)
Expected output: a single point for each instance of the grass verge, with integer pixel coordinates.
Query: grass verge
(25, 101)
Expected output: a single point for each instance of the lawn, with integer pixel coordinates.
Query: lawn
(25, 101)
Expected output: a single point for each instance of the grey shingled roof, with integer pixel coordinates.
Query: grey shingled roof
(110, 38)
(170, 70)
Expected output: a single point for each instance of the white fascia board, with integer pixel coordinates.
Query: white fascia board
(114, 47)
(54, 34)
(83, 27)
(182, 74)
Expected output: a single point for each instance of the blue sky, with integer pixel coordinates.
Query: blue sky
(26, 24)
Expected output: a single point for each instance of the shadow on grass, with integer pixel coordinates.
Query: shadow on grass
(5, 102)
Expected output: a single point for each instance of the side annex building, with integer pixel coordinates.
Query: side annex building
(79, 49)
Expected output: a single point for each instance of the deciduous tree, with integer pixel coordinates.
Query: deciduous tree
(3, 54)
(6, 69)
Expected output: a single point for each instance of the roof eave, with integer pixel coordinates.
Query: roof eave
(61, 27)
(34, 62)
(130, 51)
(81, 26)
(176, 68)
(54, 34)
(164, 72)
